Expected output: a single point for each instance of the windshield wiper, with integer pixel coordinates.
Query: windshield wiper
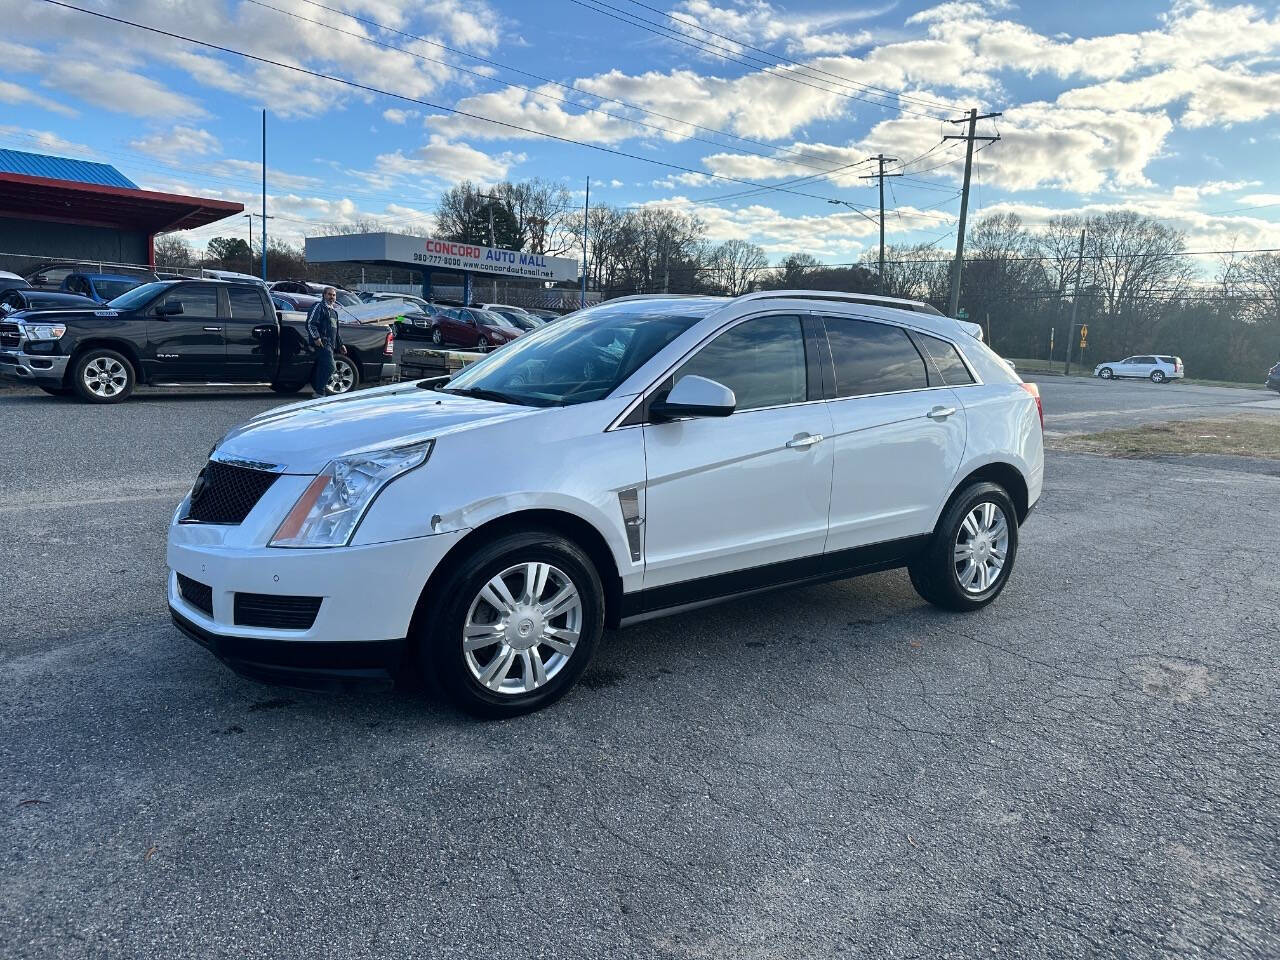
(481, 394)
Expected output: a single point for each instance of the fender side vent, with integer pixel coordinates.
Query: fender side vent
(629, 501)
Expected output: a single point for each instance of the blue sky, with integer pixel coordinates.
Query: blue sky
(1172, 108)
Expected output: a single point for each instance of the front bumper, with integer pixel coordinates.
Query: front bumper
(345, 665)
(32, 367)
(368, 595)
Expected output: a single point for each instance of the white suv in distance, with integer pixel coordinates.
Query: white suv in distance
(1156, 368)
(638, 458)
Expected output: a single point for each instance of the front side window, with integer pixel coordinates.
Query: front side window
(197, 301)
(873, 358)
(946, 361)
(575, 361)
(761, 361)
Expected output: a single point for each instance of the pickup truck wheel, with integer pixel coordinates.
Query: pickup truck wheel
(103, 376)
(287, 387)
(516, 624)
(969, 559)
(346, 377)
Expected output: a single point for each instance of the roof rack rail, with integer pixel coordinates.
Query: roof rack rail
(866, 299)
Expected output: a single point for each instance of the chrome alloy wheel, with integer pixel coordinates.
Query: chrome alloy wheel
(530, 613)
(105, 377)
(343, 377)
(982, 544)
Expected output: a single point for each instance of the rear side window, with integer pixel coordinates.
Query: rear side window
(246, 305)
(946, 360)
(761, 361)
(873, 358)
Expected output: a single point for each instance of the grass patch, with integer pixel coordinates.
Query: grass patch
(1243, 436)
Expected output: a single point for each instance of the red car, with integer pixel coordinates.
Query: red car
(471, 327)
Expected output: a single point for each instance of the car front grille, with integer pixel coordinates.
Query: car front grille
(224, 493)
(199, 595)
(277, 612)
(10, 335)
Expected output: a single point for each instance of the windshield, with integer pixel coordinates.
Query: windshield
(110, 289)
(574, 361)
(138, 296)
(349, 299)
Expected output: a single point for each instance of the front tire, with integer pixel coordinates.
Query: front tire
(345, 377)
(1105, 373)
(437, 337)
(1157, 376)
(103, 376)
(483, 343)
(516, 624)
(970, 557)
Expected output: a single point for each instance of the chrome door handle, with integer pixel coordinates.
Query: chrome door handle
(214, 329)
(804, 441)
(940, 413)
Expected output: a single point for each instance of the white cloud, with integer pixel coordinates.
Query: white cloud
(397, 116)
(18, 94)
(442, 159)
(760, 24)
(180, 143)
(46, 141)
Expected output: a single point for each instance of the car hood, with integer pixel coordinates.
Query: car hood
(303, 437)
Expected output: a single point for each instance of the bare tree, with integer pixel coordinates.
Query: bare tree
(736, 265)
(173, 251)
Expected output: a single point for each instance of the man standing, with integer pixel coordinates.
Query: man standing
(322, 331)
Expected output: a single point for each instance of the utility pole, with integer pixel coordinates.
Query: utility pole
(882, 160)
(249, 217)
(264, 220)
(264, 196)
(586, 219)
(1075, 303)
(958, 266)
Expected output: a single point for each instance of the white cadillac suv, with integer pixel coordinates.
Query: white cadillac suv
(638, 458)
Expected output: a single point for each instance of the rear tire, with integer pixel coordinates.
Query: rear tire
(512, 668)
(1157, 376)
(346, 375)
(287, 387)
(942, 573)
(103, 376)
(1105, 373)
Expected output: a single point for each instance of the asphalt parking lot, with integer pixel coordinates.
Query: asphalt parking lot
(1087, 767)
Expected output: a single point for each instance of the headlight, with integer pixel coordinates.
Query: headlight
(329, 510)
(44, 331)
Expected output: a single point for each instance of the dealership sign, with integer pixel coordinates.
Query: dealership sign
(446, 255)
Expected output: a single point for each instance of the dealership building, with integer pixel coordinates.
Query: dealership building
(54, 208)
(437, 260)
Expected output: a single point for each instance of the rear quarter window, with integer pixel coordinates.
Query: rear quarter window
(946, 361)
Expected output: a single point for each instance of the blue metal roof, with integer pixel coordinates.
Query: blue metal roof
(61, 168)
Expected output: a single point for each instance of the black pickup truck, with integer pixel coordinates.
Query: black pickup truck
(180, 331)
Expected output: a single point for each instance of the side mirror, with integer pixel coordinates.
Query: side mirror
(169, 309)
(694, 397)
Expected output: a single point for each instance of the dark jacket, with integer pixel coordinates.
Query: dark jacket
(322, 324)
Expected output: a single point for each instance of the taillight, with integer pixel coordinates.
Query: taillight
(389, 348)
(1032, 389)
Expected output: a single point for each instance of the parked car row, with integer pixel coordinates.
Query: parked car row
(175, 331)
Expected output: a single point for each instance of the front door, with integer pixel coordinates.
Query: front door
(188, 345)
(251, 335)
(740, 502)
(898, 437)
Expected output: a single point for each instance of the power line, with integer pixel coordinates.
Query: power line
(537, 93)
(951, 108)
(731, 55)
(368, 88)
(541, 79)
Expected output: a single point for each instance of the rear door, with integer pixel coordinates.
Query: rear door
(742, 499)
(188, 345)
(252, 337)
(898, 437)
